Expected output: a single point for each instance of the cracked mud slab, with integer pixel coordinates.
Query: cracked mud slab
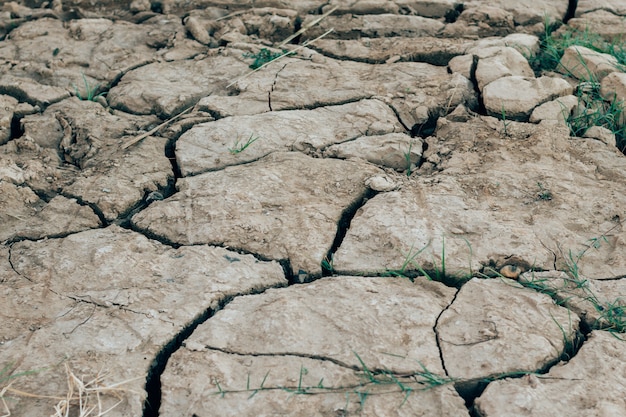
(166, 88)
(128, 298)
(495, 327)
(416, 90)
(73, 148)
(291, 386)
(349, 26)
(592, 383)
(285, 206)
(213, 145)
(58, 54)
(207, 330)
(468, 216)
(394, 330)
(24, 215)
(432, 50)
(314, 336)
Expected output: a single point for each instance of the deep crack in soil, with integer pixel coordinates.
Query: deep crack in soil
(455, 208)
(157, 367)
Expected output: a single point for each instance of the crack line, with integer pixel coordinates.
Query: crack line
(152, 402)
(438, 339)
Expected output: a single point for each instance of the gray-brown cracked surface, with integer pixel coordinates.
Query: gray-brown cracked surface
(128, 297)
(366, 152)
(283, 207)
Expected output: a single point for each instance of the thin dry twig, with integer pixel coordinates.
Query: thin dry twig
(7, 412)
(82, 393)
(307, 27)
(233, 14)
(136, 139)
(304, 45)
(82, 397)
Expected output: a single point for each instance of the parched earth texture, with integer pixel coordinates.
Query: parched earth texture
(390, 220)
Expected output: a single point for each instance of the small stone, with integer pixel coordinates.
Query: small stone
(140, 6)
(461, 64)
(102, 101)
(497, 62)
(434, 159)
(23, 109)
(380, 183)
(7, 110)
(459, 114)
(511, 271)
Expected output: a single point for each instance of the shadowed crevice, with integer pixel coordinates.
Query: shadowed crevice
(436, 331)
(16, 129)
(342, 229)
(571, 10)
(92, 206)
(152, 404)
(471, 389)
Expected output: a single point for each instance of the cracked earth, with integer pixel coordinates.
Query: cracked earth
(390, 220)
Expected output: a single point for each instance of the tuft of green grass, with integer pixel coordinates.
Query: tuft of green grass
(569, 343)
(554, 44)
(433, 270)
(543, 194)
(611, 314)
(409, 259)
(426, 378)
(91, 92)
(263, 57)
(6, 378)
(505, 123)
(438, 272)
(592, 109)
(328, 264)
(240, 146)
(407, 384)
(407, 159)
(6, 375)
(431, 380)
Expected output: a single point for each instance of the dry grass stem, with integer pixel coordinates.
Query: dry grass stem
(307, 27)
(228, 16)
(136, 139)
(83, 399)
(304, 45)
